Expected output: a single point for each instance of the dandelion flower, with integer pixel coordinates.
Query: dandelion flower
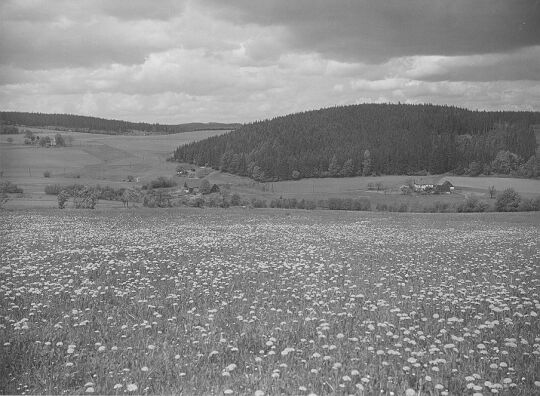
(132, 387)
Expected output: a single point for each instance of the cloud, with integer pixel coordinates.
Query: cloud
(374, 31)
(241, 61)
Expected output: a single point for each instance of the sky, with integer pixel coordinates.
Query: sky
(176, 61)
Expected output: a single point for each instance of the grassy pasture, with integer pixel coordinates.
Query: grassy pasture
(92, 159)
(357, 187)
(280, 302)
(109, 159)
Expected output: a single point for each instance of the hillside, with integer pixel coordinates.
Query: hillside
(371, 139)
(101, 125)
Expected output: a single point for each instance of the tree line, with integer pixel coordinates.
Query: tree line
(100, 125)
(371, 139)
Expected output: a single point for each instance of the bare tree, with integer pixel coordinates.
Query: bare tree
(492, 191)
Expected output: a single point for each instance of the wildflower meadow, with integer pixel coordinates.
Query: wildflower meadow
(267, 302)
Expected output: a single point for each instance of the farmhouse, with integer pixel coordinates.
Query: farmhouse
(192, 185)
(423, 187)
(445, 188)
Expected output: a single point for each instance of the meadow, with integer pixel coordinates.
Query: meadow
(92, 158)
(108, 160)
(269, 302)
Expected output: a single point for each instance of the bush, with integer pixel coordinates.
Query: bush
(381, 207)
(53, 189)
(508, 201)
(86, 198)
(3, 200)
(162, 182)
(9, 187)
(472, 204)
(527, 205)
(47, 174)
(440, 207)
(258, 203)
(236, 200)
(363, 204)
(403, 207)
(63, 197)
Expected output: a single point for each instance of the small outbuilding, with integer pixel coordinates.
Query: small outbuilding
(214, 189)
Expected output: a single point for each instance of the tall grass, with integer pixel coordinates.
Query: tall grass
(237, 302)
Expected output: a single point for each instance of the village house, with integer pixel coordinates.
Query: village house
(445, 188)
(423, 187)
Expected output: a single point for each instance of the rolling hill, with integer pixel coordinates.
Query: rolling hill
(371, 139)
(101, 125)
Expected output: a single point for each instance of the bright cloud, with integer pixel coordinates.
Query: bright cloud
(173, 62)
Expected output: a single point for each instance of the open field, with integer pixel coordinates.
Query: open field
(283, 302)
(92, 159)
(358, 187)
(109, 160)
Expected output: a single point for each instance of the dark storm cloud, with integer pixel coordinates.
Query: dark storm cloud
(41, 35)
(374, 31)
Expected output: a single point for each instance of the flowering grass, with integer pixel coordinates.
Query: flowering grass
(269, 302)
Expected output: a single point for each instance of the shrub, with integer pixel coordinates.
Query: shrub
(258, 203)
(53, 189)
(440, 207)
(63, 197)
(526, 205)
(236, 200)
(85, 198)
(381, 207)
(162, 182)
(403, 207)
(47, 174)
(472, 204)
(363, 204)
(310, 205)
(3, 200)
(508, 201)
(9, 187)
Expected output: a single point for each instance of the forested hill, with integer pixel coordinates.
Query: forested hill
(94, 124)
(372, 139)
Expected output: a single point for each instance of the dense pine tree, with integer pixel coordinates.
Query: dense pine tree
(367, 138)
(100, 125)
